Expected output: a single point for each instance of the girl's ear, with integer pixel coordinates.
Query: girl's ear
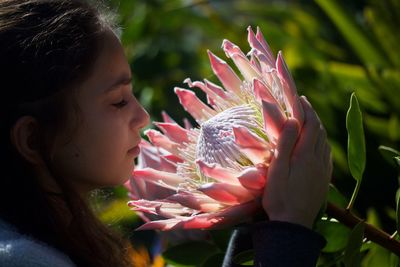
(24, 136)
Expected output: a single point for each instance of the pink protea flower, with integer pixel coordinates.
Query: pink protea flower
(213, 175)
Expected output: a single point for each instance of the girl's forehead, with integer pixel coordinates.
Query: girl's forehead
(111, 67)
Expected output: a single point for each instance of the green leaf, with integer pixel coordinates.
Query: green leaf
(376, 256)
(190, 253)
(394, 260)
(356, 151)
(361, 45)
(397, 159)
(245, 258)
(335, 197)
(352, 256)
(389, 153)
(336, 235)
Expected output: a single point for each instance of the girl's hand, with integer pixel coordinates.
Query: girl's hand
(299, 175)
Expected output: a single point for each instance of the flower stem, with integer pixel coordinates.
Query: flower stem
(371, 233)
(353, 197)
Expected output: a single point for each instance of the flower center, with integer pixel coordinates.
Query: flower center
(216, 142)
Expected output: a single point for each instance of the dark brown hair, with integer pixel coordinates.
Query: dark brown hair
(46, 48)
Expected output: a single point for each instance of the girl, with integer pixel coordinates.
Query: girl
(70, 124)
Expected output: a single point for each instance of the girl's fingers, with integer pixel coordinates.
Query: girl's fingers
(311, 128)
(287, 140)
(278, 171)
(321, 142)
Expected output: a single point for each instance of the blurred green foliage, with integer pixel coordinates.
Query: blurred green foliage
(332, 47)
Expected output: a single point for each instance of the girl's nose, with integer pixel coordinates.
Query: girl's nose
(145, 118)
(140, 116)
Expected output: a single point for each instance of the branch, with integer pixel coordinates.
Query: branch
(371, 233)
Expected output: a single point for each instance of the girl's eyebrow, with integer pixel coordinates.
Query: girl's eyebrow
(124, 79)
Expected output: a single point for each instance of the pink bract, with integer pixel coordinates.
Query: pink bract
(213, 175)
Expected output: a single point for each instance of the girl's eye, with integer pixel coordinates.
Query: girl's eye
(120, 104)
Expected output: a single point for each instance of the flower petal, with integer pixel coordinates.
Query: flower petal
(155, 176)
(225, 74)
(262, 92)
(241, 61)
(139, 188)
(215, 94)
(144, 205)
(289, 89)
(215, 89)
(263, 42)
(227, 217)
(218, 173)
(173, 131)
(254, 148)
(160, 140)
(199, 111)
(253, 178)
(174, 211)
(148, 156)
(173, 158)
(226, 193)
(154, 157)
(196, 201)
(187, 124)
(204, 221)
(262, 46)
(230, 48)
(274, 120)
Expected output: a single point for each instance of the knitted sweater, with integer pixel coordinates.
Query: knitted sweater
(17, 250)
(276, 244)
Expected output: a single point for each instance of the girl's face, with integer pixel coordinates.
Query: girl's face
(103, 146)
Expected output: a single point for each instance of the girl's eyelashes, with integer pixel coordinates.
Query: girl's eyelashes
(120, 104)
(126, 97)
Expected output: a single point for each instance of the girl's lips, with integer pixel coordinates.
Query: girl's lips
(134, 151)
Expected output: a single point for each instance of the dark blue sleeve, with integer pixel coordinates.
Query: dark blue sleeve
(276, 244)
